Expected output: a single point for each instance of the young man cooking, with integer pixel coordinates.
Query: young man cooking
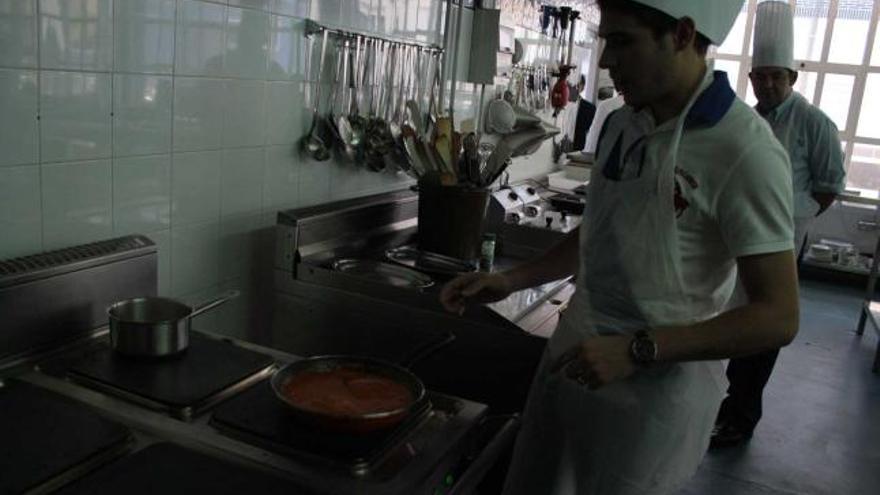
(813, 145)
(690, 187)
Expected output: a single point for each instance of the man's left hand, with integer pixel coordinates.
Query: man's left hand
(825, 201)
(597, 361)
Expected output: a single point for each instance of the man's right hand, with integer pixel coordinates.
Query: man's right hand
(474, 288)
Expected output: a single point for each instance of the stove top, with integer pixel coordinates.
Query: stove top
(169, 468)
(54, 438)
(253, 428)
(73, 415)
(210, 371)
(259, 418)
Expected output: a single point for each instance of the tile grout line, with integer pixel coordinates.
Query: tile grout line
(219, 218)
(112, 116)
(171, 158)
(266, 120)
(148, 155)
(149, 73)
(223, 125)
(39, 23)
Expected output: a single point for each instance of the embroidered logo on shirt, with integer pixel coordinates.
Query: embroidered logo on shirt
(679, 202)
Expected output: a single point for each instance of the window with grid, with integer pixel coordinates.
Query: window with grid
(837, 49)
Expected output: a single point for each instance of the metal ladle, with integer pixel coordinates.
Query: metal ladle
(313, 145)
(396, 155)
(332, 128)
(358, 123)
(376, 144)
(342, 123)
(400, 72)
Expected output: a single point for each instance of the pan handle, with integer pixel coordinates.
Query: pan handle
(426, 350)
(232, 294)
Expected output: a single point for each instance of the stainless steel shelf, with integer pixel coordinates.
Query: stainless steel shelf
(836, 267)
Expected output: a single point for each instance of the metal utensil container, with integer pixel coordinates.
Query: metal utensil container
(451, 220)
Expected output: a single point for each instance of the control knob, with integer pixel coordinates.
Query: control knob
(532, 211)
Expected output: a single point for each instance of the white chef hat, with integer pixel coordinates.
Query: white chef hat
(713, 18)
(774, 36)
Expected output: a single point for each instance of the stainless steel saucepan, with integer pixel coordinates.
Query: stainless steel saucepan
(155, 326)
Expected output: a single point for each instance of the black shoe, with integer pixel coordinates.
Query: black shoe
(727, 435)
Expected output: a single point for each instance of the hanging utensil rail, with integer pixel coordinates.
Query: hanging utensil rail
(313, 28)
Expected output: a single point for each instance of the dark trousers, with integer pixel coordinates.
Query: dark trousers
(583, 120)
(748, 375)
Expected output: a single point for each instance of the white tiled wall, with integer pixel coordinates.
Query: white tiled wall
(178, 119)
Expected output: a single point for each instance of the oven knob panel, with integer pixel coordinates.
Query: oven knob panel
(514, 218)
(532, 211)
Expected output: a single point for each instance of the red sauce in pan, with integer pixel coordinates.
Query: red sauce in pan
(346, 392)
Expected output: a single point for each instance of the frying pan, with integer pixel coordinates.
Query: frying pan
(360, 423)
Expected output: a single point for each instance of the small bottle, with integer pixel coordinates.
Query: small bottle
(487, 252)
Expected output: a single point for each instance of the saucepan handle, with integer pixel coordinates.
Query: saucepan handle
(426, 350)
(232, 294)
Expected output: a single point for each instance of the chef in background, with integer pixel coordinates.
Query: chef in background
(586, 112)
(608, 102)
(813, 145)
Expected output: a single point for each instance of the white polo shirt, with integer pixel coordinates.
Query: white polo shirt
(733, 188)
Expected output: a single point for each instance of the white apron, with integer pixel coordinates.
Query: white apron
(646, 434)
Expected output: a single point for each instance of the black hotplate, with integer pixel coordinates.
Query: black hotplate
(259, 418)
(46, 437)
(165, 468)
(209, 371)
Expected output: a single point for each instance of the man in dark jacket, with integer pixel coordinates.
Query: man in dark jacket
(585, 113)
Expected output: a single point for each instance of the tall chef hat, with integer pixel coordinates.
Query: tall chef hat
(774, 36)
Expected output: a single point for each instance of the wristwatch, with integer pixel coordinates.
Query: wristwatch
(643, 349)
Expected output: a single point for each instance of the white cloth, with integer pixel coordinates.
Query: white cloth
(646, 434)
(500, 117)
(713, 18)
(774, 36)
(603, 110)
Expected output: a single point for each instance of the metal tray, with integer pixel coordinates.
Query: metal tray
(412, 257)
(386, 273)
